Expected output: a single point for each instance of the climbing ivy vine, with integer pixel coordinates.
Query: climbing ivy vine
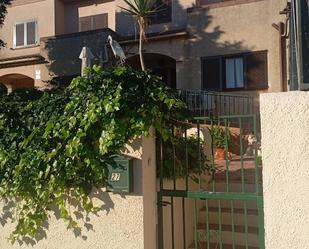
(56, 145)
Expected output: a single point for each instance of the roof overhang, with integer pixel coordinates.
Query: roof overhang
(170, 34)
(22, 61)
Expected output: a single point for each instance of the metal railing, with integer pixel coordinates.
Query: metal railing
(205, 103)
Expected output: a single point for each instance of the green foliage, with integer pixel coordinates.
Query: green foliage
(3, 11)
(183, 156)
(220, 136)
(55, 146)
(3, 90)
(141, 11)
(140, 8)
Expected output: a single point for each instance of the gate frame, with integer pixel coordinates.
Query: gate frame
(211, 195)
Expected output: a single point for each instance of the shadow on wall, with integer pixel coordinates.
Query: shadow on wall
(79, 214)
(193, 19)
(203, 39)
(62, 52)
(105, 201)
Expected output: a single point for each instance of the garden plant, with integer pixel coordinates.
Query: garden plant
(56, 145)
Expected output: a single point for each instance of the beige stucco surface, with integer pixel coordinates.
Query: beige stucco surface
(218, 30)
(75, 9)
(285, 150)
(120, 223)
(42, 12)
(222, 30)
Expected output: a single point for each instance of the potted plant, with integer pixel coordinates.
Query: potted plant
(221, 138)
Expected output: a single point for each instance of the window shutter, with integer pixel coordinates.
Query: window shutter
(211, 73)
(100, 21)
(31, 33)
(256, 70)
(85, 23)
(19, 35)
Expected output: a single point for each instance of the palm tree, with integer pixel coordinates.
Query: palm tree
(140, 10)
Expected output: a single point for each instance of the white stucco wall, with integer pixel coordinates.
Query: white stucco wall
(285, 150)
(125, 220)
(118, 225)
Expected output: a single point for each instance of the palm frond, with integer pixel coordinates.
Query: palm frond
(132, 7)
(139, 8)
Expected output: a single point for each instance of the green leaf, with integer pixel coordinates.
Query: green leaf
(54, 146)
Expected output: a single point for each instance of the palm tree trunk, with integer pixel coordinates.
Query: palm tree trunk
(141, 57)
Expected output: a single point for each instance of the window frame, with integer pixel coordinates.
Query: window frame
(92, 22)
(222, 84)
(25, 22)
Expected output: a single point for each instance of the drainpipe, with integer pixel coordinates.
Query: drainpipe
(280, 27)
(283, 34)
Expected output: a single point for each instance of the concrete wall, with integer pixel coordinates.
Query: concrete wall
(125, 25)
(222, 29)
(59, 17)
(75, 10)
(235, 29)
(241, 26)
(28, 71)
(285, 151)
(119, 225)
(125, 220)
(62, 52)
(42, 11)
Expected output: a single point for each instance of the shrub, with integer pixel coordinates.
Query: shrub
(3, 90)
(56, 145)
(221, 137)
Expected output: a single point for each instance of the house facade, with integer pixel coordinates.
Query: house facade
(215, 45)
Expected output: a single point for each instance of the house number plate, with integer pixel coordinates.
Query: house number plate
(115, 177)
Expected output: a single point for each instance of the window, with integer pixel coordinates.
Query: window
(164, 13)
(244, 72)
(25, 34)
(93, 22)
(234, 76)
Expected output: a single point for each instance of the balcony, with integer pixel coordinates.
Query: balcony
(62, 52)
(205, 103)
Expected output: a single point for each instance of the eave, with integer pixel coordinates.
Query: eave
(22, 61)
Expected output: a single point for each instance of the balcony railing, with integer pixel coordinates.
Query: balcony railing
(62, 51)
(205, 103)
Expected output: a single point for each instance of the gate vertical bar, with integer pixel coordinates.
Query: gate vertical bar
(207, 224)
(220, 223)
(256, 170)
(184, 223)
(261, 224)
(195, 226)
(160, 207)
(226, 141)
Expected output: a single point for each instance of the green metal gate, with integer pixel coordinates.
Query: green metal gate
(205, 201)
